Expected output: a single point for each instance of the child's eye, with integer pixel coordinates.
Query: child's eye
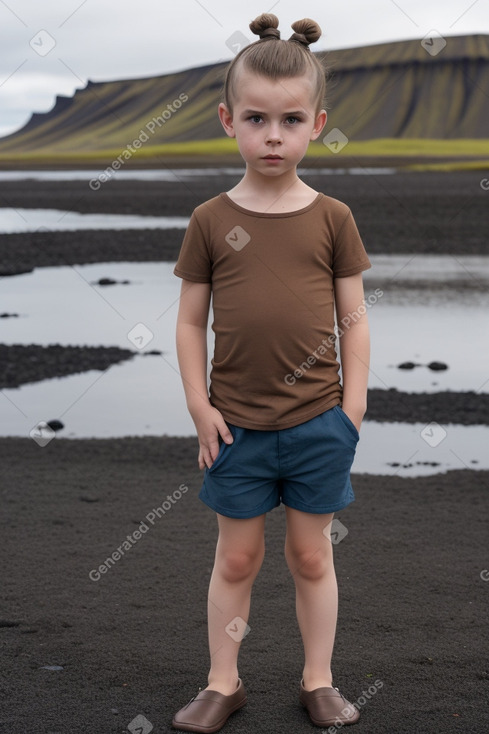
(292, 120)
(255, 118)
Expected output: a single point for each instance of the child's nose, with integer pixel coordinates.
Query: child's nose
(274, 134)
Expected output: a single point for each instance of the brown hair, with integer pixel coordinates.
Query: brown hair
(278, 59)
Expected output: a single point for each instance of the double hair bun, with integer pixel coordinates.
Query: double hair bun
(266, 26)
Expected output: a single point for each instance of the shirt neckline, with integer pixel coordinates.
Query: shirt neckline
(271, 215)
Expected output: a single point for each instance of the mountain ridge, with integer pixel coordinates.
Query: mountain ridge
(388, 90)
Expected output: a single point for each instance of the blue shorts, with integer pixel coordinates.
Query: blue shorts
(306, 467)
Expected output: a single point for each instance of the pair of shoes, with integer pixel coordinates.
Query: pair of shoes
(327, 707)
(209, 710)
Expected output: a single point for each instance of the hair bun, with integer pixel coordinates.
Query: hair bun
(306, 31)
(265, 26)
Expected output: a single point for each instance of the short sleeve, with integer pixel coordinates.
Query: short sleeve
(194, 262)
(349, 255)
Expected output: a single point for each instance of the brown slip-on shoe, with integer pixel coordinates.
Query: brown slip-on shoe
(209, 710)
(327, 707)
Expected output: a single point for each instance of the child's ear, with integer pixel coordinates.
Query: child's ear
(226, 119)
(319, 123)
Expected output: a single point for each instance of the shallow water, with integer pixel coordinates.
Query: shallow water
(64, 305)
(144, 396)
(57, 220)
(172, 175)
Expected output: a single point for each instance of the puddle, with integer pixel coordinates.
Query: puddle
(61, 305)
(144, 396)
(174, 175)
(412, 449)
(56, 220)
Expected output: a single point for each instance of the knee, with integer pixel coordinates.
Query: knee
(310, 564)
(240, 565)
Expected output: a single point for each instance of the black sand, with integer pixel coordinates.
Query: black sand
(413, 606)
(21, 364)
(406, 213)
(413, 599)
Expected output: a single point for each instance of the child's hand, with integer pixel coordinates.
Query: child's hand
(355, 414)
(210, 424)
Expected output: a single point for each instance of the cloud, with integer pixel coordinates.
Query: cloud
(117, 39)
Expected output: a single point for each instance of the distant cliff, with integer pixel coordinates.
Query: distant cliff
(390, 90)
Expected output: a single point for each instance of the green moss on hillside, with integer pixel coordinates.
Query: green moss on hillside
(388, 100)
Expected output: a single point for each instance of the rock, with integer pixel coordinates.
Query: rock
(111, 281)
(55, 425)
(437, 366)
(15, 271)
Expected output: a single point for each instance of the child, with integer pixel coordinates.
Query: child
(278, 258)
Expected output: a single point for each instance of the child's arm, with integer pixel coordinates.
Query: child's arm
(354, 345)
(193, 314)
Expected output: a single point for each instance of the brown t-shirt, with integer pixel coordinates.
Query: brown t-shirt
(274, 363)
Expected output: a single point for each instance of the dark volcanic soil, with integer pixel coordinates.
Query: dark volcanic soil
(413, 603)
(21, 364)
(82, 655)
(29, 363)
(406, 213)
(400, 213)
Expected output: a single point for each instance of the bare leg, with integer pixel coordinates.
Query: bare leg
(309, 556)
(239, 555)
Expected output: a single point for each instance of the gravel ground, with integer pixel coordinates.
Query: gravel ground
(133, 641)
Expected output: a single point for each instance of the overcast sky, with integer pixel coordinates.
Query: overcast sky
(50, 47)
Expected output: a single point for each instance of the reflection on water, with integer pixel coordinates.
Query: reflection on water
(400, 449)
(174, 175)
(55, 220)
(62, 305)
(144, 396)
(432, 269)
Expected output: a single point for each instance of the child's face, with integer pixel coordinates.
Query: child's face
(272, 118)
